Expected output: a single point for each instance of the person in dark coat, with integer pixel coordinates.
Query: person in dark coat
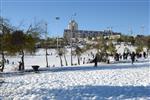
(20, 65)
(95, 60)
(117, 57)
(124, 55)
(7, 61)
(133, 57)
(144, 54)
(120, 56)
(84, 60)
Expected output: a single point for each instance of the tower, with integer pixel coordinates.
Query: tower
(73, 28)
(73, 25)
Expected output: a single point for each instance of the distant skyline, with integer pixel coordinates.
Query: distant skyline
(122, 16)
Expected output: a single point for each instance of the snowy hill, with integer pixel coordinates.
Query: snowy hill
(85, 82)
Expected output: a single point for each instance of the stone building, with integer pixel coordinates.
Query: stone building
(74, 33)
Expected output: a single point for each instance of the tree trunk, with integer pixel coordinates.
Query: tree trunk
(78, 60)
(2, 49)
(3, 61)
(22, 60)
(65, 60)
(60, 61)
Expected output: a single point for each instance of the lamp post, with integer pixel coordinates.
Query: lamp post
(71, 38)
(57, 18)
(71, 46)
(46, 53)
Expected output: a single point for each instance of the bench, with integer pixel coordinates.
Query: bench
(35, 68)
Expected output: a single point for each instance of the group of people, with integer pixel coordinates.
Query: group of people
(132, 55)
(125, 56)
(6, 61)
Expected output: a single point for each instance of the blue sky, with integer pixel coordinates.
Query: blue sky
(121, 15)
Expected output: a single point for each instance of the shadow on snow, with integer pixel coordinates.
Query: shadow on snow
(75, 68)
(93, 93)
(100, 92)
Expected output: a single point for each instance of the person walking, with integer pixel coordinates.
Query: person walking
(117, 57)
(144, 54)
(133, 57)
(95, 60)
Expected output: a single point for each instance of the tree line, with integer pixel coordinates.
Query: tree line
(14, 41)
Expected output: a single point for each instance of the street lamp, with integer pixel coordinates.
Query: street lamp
(71, 37)
(46, 54)
(71, 46)
(57, 18)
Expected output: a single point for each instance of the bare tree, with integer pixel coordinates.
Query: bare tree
(60, 54)
(78, 51)
(5, 28)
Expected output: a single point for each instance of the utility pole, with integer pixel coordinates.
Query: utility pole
(46, 54)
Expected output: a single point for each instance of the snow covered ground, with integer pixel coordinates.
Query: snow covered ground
(84, 82)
